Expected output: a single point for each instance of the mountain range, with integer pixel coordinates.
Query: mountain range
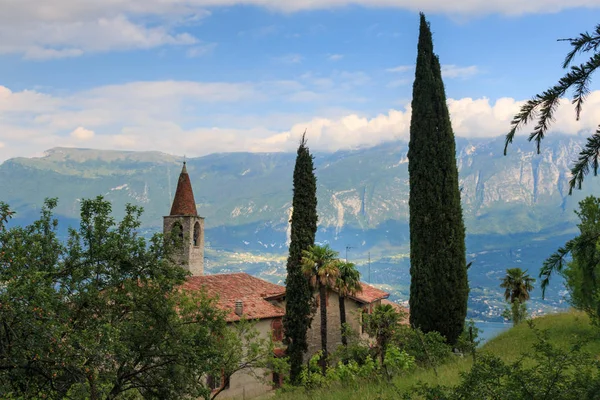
(516, 207)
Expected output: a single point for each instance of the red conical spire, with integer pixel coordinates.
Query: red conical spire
(184, 203)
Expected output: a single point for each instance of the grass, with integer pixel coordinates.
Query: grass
(563, 329)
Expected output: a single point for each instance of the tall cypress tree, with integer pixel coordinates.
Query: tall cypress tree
(439, 287)
(297, 317)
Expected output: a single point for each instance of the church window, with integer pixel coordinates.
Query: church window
(197, 234)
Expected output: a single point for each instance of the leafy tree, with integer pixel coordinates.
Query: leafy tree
(320, 265)
(438, 265)
(382, 324)
(581, 272)
(347, 284)
(100, 316)
(297, 317)
(542, 106)
(5, 214)
(242, 349)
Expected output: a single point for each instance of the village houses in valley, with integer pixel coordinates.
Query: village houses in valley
(243, 296)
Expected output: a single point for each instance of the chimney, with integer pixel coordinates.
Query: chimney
(239, 307)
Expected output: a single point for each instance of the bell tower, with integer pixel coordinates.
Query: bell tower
(184, 217)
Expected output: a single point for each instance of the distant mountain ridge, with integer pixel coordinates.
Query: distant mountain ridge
(247, 196)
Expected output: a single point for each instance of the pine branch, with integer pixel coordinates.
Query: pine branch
(543, 106)
(584, 43)
(584, 73)
(589, 156)
(555, 263)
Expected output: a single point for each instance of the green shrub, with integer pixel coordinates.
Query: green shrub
(428, 349)
(549, 372)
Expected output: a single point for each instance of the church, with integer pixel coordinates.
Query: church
(241, 295)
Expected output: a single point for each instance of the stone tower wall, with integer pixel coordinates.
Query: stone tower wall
(191, 256)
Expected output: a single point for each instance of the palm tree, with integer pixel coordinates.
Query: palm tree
(517, 284)
(347, 284)
(320, 265)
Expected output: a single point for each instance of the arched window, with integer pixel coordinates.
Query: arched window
(177, 232)
(197, 234)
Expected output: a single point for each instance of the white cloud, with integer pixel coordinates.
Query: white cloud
(463, 7)
(82, 134)
(259, 32)
(453, 71)
(335, 57)
(290, 58)
(200, 118)
(198, 51)
(42, 29)
(398, 82)
(401, 69)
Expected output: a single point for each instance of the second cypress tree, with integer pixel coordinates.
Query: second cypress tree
(439, 287)
(304, 228)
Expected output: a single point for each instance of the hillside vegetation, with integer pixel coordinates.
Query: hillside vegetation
(563, 330)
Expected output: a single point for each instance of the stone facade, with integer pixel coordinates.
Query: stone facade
(191, 256)
(354, 311)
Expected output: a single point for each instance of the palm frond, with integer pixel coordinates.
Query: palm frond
(588, 157)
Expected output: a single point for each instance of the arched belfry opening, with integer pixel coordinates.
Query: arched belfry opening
(178, 230)
(197, 234)
(189, 225)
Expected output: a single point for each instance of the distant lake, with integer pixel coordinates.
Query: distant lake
(489, 330)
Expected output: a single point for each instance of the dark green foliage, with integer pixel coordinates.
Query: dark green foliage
(5, 214)
(382, 324)
(542, 106)
(439, 288)
(581, 272)
(298, 292)
(428, 349)
(550, 372)
(99, 316)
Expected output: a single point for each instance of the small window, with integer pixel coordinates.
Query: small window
(277, 380)
(277, 330)
(197, 234)
(177, 229)
(213, 382)
(363, 322)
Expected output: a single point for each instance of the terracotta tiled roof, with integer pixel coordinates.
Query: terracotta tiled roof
(370, 294)
(398, 308)
(184, 203)
(240, 286)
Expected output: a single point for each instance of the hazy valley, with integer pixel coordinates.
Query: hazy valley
(516, 208)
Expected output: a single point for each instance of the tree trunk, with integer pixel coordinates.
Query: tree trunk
(343, 320)
(93, 387)
(323, 299)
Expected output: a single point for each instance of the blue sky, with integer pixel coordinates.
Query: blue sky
(199, 76)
